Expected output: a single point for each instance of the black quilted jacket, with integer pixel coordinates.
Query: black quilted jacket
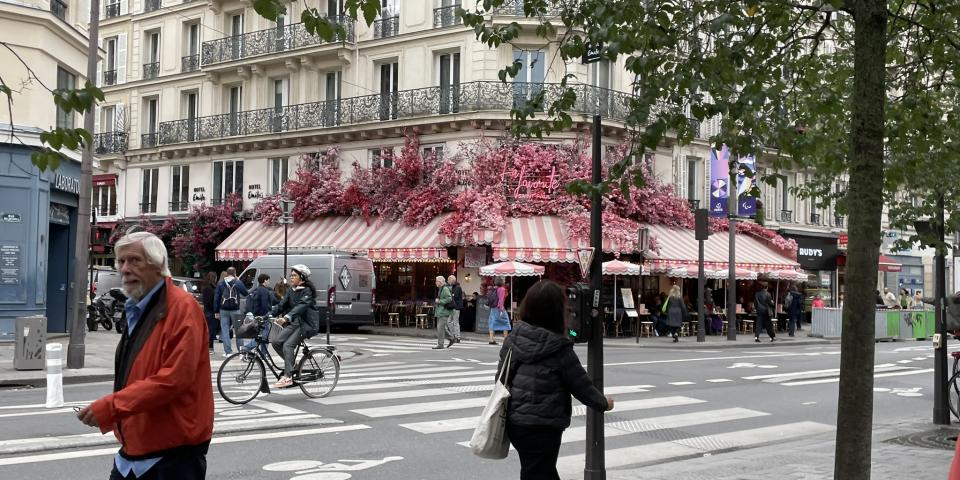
(545, 371)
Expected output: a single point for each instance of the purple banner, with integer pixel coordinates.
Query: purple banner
(719, 181)
(746, 206)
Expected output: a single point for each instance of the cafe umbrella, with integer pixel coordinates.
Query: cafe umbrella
(511, 269)
(617, 267)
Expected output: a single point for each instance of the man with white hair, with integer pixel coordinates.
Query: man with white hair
(161, 408)
(443, 307)
(453, 325)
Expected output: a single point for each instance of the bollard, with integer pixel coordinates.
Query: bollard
(54, 375)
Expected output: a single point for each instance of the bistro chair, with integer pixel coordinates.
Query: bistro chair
(423, 319)
(646, 328)
(746, 325)
(393, 319)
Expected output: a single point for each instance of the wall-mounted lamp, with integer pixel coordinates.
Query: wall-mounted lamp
(466, 278)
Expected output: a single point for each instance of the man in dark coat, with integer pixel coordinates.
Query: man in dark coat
(453, 325)
(794, 308)
(763, 303)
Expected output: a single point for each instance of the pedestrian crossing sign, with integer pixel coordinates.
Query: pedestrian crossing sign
(585, 255)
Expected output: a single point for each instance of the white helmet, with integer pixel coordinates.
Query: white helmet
(301, 270)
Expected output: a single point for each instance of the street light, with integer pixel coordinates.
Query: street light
(643, 243)
(931, 233)
(286, 206)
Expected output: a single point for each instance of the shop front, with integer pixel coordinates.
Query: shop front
(817, 254)
(38, 228)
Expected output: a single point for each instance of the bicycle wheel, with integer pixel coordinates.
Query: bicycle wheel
(239, 378)
(318, 373)
(953, 394)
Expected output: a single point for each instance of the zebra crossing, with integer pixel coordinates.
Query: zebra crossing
(673, 425)
(385, 346)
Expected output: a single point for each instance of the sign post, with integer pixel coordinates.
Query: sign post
(595, 468)
(585, 255)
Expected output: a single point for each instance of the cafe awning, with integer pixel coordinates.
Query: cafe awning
(388, 241)
(678, 248)
(253, 238)
(534, 239)
(888, 264)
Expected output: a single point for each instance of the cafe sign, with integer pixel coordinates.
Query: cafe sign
(66, 183)
(524, 186)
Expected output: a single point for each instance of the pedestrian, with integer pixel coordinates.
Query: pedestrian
(917, 301)
(207, 296)
(161, 408)
(889, 299)
(764, 306)
(905, 299)
(499, 320)
(817, 301)
(544, 372)
(444, 306)
(453, 325)
(299, 317)
(793, 304)
(279, 290)
(259, 303)
(879, 299)
(676, 312)
(226, 306)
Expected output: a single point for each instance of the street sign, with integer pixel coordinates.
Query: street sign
(596, 299)
(585, 255)
(10, 217)
(592, 53)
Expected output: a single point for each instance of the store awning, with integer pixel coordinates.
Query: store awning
(535, 239)
(104, 179)
(678, 248)
(888, 264)
(253, 238)
(388, 241)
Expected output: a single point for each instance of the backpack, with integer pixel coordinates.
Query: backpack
(787, 301)
(492, 298)
(230, 300)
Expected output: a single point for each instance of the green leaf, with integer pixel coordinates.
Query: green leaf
(371, 9)
(269, 9)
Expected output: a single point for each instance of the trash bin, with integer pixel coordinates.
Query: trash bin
(29, 343)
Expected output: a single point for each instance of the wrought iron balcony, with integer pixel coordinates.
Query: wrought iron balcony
(151, 5)
(59, 9)
(417, 103)
(109, 142)
(190, 63)
(179, 206)
(104, 210)
(149, 140)
(151, 70)
(786, 216)
(272, 40)
(386, 27)
(838, 221)
(109, 77)
(446, 16)
(148, 207)
(815, 218)
(112, 10)
(694, 126)
(514, 8)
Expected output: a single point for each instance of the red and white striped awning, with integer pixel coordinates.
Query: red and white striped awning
(253, 238)
(678, 248)
(511, 269)
(387, 241)
(535, 239)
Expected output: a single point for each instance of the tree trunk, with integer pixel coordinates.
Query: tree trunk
(865, 204)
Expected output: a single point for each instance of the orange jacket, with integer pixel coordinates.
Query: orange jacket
(955, 465)
(166, 399)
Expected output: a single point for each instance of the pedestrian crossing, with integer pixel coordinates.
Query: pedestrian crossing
(386, 346)
(452, 398)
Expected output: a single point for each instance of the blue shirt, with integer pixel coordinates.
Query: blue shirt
(134, 313)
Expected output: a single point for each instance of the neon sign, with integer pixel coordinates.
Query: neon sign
(521, 186)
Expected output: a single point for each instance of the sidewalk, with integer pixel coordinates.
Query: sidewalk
(97, 366)
(811, 458)
(685, 343)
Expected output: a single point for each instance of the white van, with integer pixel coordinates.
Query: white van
(344, 280)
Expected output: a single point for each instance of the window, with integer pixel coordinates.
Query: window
(431, 150)
(148, 190)
(281, 39)
(190, 61)
(151, 67)
(281, 94)
(110, 68)
(333, 92)
(189, 108)
(389, 84)
(449, 82)
(105, 200)
(108, 124)
(529, 80)
(235, 27)
(149, 129)
(227, 179)
(334, 8)
(180, 191)
(279, 173)
(381, 157)
(65, 80)
(234, 106)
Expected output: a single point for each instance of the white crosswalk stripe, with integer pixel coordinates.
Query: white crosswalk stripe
(381, 346)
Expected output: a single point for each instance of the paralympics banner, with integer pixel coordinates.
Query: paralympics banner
(746, 206)
(719, 181)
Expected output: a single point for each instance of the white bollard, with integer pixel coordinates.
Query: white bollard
(54, 375)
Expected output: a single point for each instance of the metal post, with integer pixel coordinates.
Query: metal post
(285, 223)
(701, 286)
(93, 221)
(595, 468)
(76, 349)
(732, 258)
(941, 411)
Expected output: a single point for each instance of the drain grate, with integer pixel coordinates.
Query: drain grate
(941, 438)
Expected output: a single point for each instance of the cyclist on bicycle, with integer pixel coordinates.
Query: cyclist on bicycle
(298, 315)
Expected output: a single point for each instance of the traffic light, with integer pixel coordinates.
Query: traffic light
(578, 312)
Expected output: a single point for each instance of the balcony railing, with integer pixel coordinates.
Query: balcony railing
(179, 206)
(417, 103)
(59, 9)
(786, 216)
(151, 70)
(815, 219)
(271, 40)
(446, 16)
(151, 5)
(386, 27)
(109, 142)
(838, 221)
(514, 8)
(104, 210)
(109, 77)
(190, 63)
(148, 207)
(112, 10)
(149, 140)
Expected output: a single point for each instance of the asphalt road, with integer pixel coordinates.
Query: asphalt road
(401, 411)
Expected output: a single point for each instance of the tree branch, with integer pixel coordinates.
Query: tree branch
(29, 70)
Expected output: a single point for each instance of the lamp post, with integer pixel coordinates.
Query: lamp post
(286, 205)
(93, 227)
(643, 244)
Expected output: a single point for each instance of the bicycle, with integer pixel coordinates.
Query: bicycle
(242, 376)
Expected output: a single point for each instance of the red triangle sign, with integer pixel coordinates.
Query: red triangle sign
(585, 255)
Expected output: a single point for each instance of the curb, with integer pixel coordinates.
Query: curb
(41, 382)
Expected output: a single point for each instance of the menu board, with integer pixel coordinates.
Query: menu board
(627, 295)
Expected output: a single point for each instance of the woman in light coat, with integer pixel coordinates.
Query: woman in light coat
(676, 312)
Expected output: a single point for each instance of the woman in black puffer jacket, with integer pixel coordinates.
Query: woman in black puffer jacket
(544, 372)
